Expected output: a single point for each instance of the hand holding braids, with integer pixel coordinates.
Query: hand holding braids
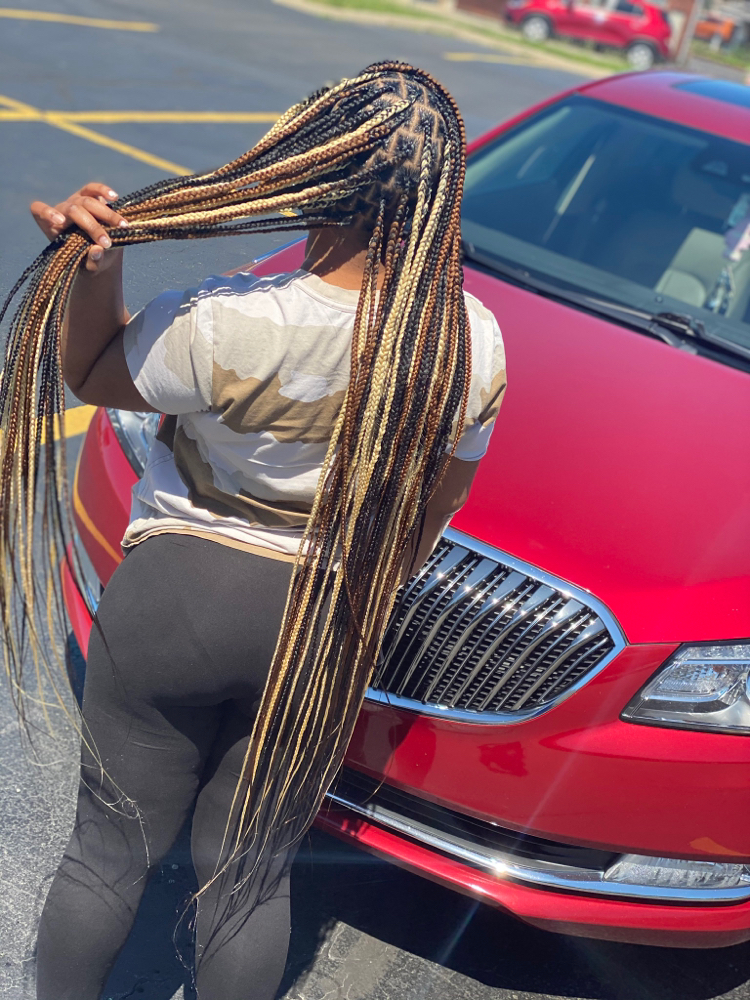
(384, 151)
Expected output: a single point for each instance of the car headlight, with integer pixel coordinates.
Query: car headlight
(135, 431)
(699, 687)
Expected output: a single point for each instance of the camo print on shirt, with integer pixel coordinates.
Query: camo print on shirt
(252, 373)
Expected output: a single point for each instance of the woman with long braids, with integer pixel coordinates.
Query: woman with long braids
(321, 428)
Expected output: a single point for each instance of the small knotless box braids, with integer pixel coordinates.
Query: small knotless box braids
(384, 151)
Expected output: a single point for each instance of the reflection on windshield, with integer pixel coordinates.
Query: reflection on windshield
(621, 205)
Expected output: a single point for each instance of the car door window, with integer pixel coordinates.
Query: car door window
(626, 7)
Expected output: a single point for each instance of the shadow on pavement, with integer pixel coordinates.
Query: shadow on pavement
(482, 943)
(149, 967)
(419, 925)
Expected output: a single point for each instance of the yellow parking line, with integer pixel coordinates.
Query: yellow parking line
(20, 116)
(67, 121)
(120, 147)
(120, 117)
(90, 526)
(84, 22)
(489, 57)
(14, 105)
(192, 117)
(77, 420)
(59, 121)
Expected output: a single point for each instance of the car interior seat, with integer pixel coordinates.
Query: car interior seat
(697, 265)
(695, 268)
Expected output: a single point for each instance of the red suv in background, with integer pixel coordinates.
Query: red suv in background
(563, 723)
(642, 30)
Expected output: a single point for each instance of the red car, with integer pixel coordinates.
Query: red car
(641, 30)
(563, 723)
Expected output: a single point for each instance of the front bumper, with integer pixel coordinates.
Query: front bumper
(589, 786)
(621, 920)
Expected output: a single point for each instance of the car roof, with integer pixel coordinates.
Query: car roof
(720, 107)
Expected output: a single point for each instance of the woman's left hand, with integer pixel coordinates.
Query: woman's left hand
(89, 210)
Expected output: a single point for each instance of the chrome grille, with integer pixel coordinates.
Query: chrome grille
(480, 635)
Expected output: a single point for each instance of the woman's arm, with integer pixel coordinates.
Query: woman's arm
(93, 359)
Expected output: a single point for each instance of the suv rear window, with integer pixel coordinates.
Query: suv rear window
(626, 7)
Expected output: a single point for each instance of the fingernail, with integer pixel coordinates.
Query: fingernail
(113, 195)
(96, 253)
(58, 219)
(105, 241)
(124, 222)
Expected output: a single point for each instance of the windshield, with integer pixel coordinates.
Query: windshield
(621, 206)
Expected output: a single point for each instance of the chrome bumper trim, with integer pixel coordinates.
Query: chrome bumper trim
(540, 874)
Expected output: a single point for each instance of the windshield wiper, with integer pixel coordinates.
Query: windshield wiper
(680, 323)
(635, 318)
(695, 328)
(675, 329)
(672, 328)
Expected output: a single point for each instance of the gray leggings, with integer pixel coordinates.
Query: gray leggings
(187, 630)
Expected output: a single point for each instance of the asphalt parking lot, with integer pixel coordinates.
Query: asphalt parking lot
(183, 86)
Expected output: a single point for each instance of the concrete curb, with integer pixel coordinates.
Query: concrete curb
(451, 28)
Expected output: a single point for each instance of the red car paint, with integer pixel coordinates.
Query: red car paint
(659, 94)
(670, 562)
(652, 94)
(616, 25)
(101, 462)
(621, 465)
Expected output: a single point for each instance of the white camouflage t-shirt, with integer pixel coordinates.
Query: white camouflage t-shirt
(252, 373)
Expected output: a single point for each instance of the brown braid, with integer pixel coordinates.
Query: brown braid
(384, 151)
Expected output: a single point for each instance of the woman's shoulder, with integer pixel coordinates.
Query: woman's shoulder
(488, 370)
(486, 339)
(478, 309)
(299, 297)
(245, 284)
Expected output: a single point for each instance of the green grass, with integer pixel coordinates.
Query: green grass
(576, 53)
(739, 58)
(380, 7)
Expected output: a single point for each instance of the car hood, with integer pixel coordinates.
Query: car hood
(620, 464)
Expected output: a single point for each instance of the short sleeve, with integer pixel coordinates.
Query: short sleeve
(169, 350)
(487, 384)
